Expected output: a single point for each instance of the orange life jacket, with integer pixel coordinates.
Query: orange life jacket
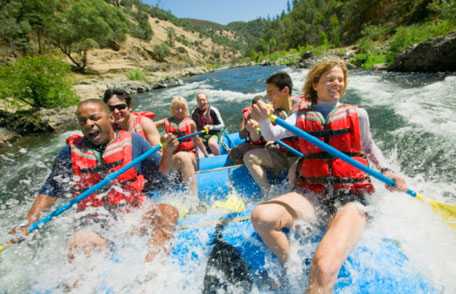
(89, 168)
(179, 130)
(318, 170)
(138, 117)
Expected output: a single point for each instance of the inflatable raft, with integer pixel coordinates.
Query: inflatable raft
(236, 260)
(235, 256)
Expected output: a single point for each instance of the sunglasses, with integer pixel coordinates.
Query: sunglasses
(118, 107)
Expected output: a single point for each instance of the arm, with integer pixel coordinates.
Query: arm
(270, 132)
(253, 128)
(218, 121)
(41, 203)
(273, 133)
(243, 133)
(375, 155)
(160, 123)
(198, 142)
(56, 186)
(151, 131)
(170, 144)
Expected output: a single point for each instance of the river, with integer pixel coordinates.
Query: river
(413, 122)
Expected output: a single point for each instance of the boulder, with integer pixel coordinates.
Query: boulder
(168, 83)
(6, 136)
(435, 55)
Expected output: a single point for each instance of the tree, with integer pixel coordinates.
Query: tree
(39, 81)
(25, 21)
(85, 24)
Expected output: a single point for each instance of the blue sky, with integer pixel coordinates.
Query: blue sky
(222, 11)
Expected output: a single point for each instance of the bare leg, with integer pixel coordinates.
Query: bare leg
(185, 163)
(269, 218)
(344, 231)
(256, 160)
(292, 175)
(213, 145)
(85, 241)
(162, 218)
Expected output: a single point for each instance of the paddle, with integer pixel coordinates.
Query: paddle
(108, 179)
(447, 211)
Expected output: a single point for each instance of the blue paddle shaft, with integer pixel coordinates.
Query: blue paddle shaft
(106, 181)
(289, 148)
(333, 151)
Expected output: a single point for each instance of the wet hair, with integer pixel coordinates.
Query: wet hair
(99, 102)
(281, 80)
(119, 93)
(256, 99)
(315, 74)
(179, 101)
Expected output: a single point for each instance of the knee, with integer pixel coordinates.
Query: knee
(169, 213)
(325, 269)
(182, 158)
(249, 158)
(264, 218)
(213, 144)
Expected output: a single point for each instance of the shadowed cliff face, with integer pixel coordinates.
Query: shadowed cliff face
(436, 55)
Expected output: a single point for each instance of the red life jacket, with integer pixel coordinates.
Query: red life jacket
(246, 111)
(88, 169)
(179, 130)
(138, 116)
(204, 118)
(292, 142)
(319, 170)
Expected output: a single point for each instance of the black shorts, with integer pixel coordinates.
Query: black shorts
(335, 200)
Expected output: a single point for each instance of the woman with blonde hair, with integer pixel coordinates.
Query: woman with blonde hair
(327, 190)
(180, 124)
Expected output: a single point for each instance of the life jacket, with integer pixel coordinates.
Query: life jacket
(246, 111)
(321, 172)
(179, 130)
(89, 167)
(138, 117)
(203, 118)
(293, 142)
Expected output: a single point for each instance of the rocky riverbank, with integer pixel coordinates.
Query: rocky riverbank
(19, 121)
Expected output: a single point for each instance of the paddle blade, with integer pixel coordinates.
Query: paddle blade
(446, 211)
(2, 248)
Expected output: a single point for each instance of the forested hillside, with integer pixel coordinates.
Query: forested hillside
(73, 28)
(380, 29)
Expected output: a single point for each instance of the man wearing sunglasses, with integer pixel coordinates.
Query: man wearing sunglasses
(119, 102)
(87, 159)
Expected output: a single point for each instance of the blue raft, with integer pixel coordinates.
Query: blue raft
(229, 244)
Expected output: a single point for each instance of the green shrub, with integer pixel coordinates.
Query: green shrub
(405, 37)
(39, 81)
(161, 52)
(136, 74)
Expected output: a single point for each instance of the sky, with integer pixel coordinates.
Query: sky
(222, 11)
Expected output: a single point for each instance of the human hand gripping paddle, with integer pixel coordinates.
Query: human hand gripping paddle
(447, 211)
(107, 180)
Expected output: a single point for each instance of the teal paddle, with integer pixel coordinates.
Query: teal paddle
(447, 211)
(106, 181)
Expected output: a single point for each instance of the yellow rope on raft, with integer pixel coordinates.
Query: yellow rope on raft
(232, 203)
